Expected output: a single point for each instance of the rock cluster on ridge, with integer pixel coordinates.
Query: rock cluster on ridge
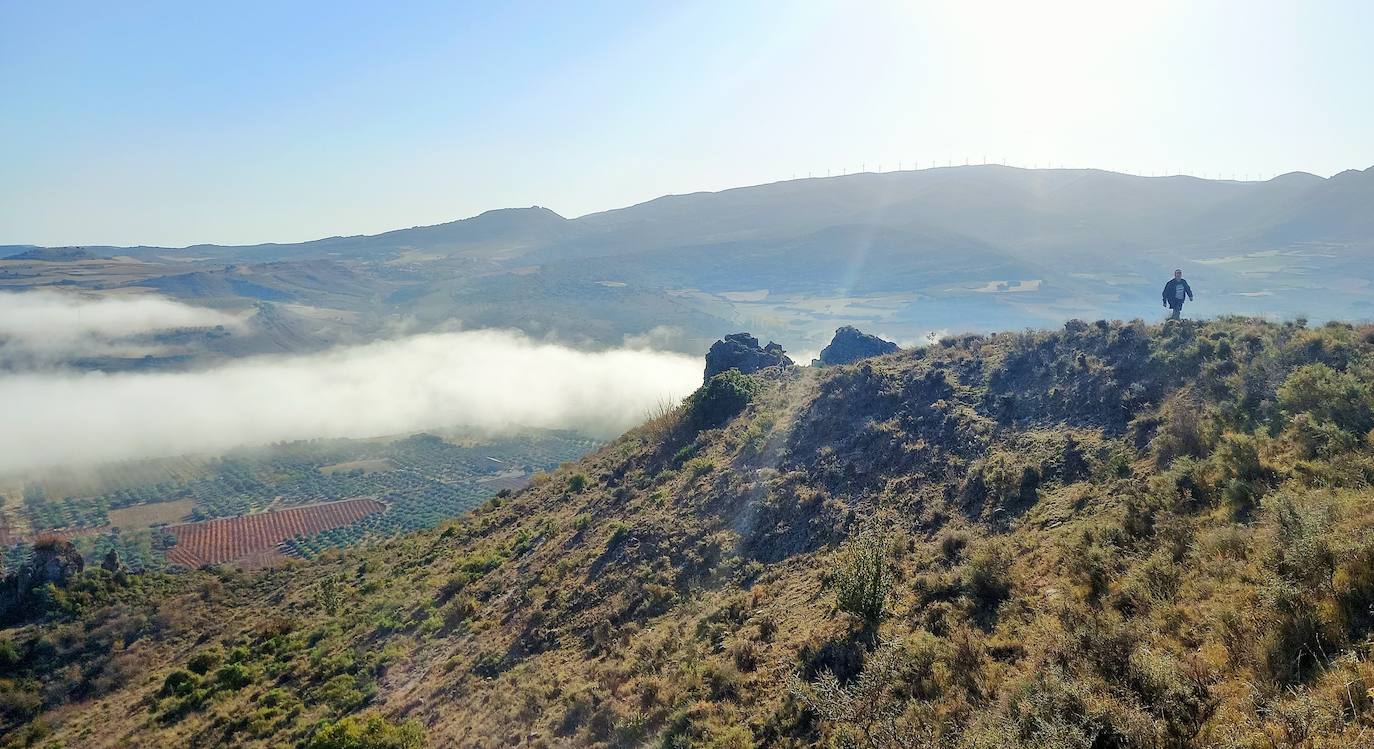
(742, 351)
(850, 345)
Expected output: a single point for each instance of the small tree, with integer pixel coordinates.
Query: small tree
(577, 483)
(863, 576)
(329, 595)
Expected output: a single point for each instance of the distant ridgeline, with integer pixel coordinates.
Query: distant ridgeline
(972, 248)
(1105, 535)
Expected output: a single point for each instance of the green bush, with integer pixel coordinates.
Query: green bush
(1328, 395)
(178, 683)
(343, 693)
(372, 732)
(234, 676)
(697, 467)
(724, 396)
(1244, 477)
(987, 574)
(577, 483)
(619, 532)
(9, 656)
(205, 661)
(862, 576)
(1182, 432)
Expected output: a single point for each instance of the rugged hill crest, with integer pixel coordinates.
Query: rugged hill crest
(1111, 535)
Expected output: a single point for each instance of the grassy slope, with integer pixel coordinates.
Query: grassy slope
(1113, 535)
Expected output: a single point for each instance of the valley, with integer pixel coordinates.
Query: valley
(256, 506)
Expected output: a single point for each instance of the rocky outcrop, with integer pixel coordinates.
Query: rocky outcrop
(112, 562)
(850, 345)
(741, 351)
(54, 561)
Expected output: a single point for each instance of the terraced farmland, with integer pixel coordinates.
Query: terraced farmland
(422, 480)
(256, 536)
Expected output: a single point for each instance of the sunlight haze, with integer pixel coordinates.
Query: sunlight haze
(169, 124)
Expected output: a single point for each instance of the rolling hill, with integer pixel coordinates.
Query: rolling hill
(1107, 535)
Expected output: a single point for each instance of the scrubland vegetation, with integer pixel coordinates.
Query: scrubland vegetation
(1114, 535)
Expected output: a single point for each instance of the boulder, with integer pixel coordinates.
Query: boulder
(55, 561)
(742, 352)
(111, 563)
(851, 345)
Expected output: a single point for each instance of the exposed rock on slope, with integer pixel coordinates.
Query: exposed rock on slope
(54, 561)
(850, 345)
(741, 351)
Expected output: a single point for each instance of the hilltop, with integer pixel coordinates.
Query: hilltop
(55, 255)
(1107, 535)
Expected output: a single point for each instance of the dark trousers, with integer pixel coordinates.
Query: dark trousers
(1177, 306)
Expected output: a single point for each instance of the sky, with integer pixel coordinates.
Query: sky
(174, 123)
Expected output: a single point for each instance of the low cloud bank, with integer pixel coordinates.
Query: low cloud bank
(46, 324)
(485, 379)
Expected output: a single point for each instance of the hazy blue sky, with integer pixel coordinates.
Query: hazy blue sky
(181, 122)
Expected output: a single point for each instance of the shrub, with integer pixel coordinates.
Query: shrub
(9, 656)
(275, 698)
(1303, 562)
(17, 704)
(1328, 395)
(862, 576)
(745, 654)
(342, 692)
(619, 532)
(372, 732)
(329, 595)
(724, 396)
(1182, 432)
(1303, 554)
(577, 483)
(205, 661)
(1244, 477)
(865, 709)
(697, 467)
(178, 683)
(722, 679)
(459, 611)
(987, 574)
(234, 676)
(952, 544)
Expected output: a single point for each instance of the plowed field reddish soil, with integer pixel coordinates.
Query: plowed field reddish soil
(253, 536)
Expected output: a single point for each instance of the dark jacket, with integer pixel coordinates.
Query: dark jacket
(1171, 293)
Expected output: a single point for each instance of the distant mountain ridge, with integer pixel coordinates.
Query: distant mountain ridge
(987, 202)
(901, 254)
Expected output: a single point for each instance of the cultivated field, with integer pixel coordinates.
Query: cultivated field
(423, 479)
(255, 537)
(156, 513)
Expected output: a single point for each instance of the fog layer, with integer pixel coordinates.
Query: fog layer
(50, 325)
(487, 379)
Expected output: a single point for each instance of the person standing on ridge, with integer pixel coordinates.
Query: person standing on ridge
(1174, 292)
